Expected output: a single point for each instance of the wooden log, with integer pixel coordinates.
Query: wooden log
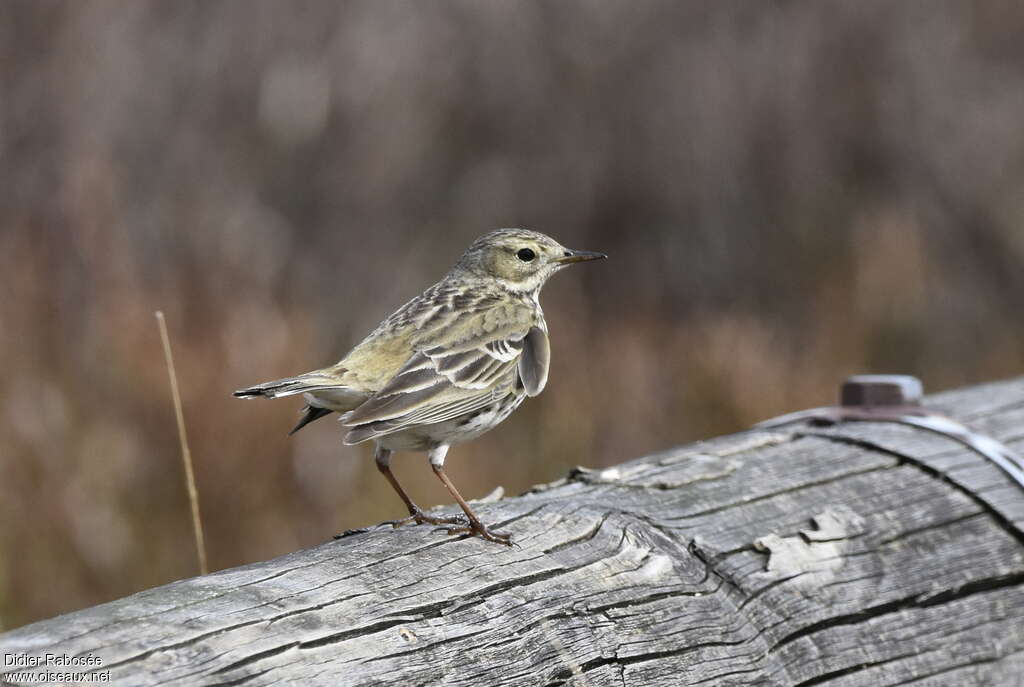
(862, 554)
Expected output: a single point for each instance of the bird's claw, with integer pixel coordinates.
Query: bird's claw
(421, 518)
(462, 525)
(478, 529)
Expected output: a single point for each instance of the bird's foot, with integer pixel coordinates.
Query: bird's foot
(418, 517)
(478, 529)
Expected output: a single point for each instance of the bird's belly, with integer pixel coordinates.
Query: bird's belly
(454, 431)
(472, 425)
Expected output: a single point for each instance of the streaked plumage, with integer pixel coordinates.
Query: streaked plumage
(448, 365)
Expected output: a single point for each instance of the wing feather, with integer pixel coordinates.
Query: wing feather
(444, 379)
(535, 361)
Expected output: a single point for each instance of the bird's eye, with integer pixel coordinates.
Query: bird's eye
(525, 254)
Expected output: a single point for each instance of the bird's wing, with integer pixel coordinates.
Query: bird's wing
(465, 365)
(535, 360)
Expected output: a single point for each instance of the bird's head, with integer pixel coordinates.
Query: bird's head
(522, 260)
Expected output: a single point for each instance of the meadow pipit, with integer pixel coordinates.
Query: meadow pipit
(447, 366)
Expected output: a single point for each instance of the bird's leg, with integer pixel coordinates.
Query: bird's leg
(382, 457)
(475, 527)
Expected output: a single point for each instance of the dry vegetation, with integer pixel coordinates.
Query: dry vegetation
(790, 192)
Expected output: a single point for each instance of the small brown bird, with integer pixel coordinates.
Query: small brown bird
(447, 366)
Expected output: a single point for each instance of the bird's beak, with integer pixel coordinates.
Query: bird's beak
(572, 256)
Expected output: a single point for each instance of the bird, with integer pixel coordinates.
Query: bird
(449, 365)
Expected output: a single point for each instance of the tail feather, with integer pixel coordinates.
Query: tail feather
(288, 386)
(322, 388)
(309, 413)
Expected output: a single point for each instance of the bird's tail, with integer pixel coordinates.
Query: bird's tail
(322, 388)
(311, 381)
(309, 413)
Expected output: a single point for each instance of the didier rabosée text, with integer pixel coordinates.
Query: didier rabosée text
(23, 660)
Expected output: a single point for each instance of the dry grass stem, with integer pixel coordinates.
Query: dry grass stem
(186, 455)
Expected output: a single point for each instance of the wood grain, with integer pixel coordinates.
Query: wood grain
(862, 554)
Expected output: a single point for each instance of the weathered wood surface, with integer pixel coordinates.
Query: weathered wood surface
(800, 556)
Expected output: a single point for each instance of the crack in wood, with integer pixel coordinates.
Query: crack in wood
(914, 601)
(842, 672)
(426, 646)
(931, 526)
(587, 536)
(242, 680)
(960, 666)
(1001, 520)
(644, 657)
(775, 494)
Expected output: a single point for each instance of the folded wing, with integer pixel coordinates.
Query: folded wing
(474, 361)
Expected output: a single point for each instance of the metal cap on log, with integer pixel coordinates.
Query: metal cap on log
(881, 390)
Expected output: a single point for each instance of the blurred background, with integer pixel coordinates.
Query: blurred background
(790, 192)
